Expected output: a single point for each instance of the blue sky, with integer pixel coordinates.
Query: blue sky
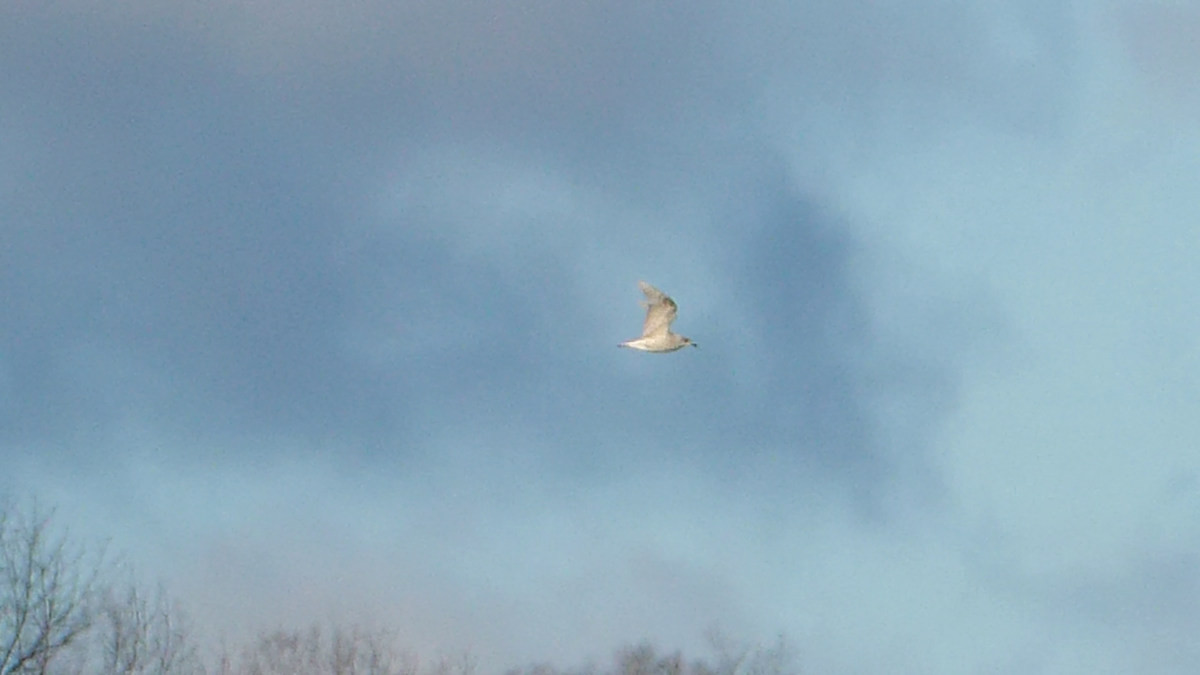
(312, 309)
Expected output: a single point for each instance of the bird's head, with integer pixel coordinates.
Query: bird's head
(688, 341)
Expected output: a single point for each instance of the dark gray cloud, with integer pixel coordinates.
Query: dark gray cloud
(191, 236)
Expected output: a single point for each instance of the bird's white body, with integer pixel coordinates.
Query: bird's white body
(657, 344)
(656, 330)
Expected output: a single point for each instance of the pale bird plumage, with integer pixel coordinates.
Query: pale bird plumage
(656, 330)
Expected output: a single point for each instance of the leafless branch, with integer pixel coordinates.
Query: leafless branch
(47, 592)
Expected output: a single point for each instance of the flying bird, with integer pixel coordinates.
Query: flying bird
(656, 331)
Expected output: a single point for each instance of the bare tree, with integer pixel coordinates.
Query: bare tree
(48, 592)
(729, 658)
(355, 651)
(644, 660)
(140, 633)
(60, 614)
(460, 664)
(736, 658)
(728, 655)
(776, 659)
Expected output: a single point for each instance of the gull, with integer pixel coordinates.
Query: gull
(656, 331)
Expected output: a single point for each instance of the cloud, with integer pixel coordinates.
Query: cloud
(1160, 40)
(227, 270)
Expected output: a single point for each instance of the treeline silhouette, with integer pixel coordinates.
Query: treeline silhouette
(67, 609)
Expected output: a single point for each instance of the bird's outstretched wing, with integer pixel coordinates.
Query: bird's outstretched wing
(660, 311)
